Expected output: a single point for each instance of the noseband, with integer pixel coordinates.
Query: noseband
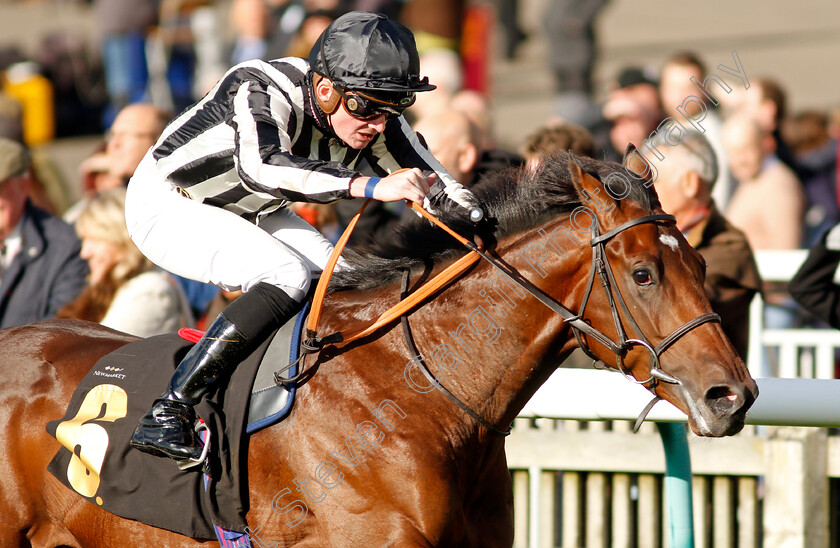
(602, 269)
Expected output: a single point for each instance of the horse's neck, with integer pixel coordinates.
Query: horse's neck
(489, 341)
(483, 337)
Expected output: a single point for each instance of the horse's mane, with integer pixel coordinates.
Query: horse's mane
(514, 200)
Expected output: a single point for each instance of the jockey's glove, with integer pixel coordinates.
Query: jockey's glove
(460, 196)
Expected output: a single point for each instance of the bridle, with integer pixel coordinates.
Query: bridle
(603, 271)
(601, 267)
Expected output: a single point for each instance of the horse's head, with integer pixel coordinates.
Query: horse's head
(649, 300)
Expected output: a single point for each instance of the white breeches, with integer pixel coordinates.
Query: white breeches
(213, 245)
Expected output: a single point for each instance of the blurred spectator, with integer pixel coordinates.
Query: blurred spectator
(443, 67)
(508, 11)
(555, 138)
(768, 204)
(210, 52)
(457, 143)
(283, 22)
(684, 184)
(170, 55)
(453, 139)
(134, 131)
(314, 23)
(249, 20)
(11, 118)
(293, 26)
(675, 86)
(633, 109)
(78, 81)
(24, 82)
(40, 266)
(834, 123)
(125, 290)
(123, 25)
(48, 189)
(766, 103)
(814, 286)
(571, 32)
(771, 114)
(435, 23)
(816, 159)
(477, 108)
(95, 173)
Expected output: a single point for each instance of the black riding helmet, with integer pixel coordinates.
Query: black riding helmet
(369, 52)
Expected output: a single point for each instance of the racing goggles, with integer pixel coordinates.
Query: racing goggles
(363, 106)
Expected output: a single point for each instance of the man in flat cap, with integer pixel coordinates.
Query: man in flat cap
(41, 269)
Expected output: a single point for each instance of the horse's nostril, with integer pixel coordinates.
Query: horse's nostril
(721, 399)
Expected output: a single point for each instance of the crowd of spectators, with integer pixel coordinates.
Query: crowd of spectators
(773, 184)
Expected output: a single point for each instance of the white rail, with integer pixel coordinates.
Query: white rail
(583, 394)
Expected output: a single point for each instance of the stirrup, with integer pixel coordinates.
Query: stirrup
(200, 428)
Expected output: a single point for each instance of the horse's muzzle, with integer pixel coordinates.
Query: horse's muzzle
(722, 410)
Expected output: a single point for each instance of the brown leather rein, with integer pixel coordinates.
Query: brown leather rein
(600, 268)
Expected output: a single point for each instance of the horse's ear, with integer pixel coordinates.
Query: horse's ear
(637, 164)
(590, 191)
(576, 172)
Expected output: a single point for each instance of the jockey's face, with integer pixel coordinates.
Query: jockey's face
(354, 132)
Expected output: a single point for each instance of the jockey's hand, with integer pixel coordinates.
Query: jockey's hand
(409, 184)
(460, 196)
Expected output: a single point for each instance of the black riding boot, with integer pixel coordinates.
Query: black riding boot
(167, 430)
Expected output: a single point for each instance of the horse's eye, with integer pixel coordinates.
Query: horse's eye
(642, 277)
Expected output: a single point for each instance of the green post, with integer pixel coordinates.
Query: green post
(677, 484)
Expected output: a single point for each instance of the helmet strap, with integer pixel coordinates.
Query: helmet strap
(330, 105)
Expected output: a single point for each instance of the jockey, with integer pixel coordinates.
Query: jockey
(268, 134)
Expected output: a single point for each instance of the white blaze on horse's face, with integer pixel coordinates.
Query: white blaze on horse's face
(670, 241)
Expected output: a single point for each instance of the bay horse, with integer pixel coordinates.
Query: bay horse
(372, 454)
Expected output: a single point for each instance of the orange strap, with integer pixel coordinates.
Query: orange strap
(324, 282)
(407, 304)
(419, 209)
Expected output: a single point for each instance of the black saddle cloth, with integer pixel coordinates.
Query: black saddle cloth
(97, 462)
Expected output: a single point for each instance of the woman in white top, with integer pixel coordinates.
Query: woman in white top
(125, 290)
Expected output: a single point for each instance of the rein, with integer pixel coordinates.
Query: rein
(600, 268)
(409, 341)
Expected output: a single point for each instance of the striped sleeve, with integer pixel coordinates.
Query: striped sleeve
(262, 116)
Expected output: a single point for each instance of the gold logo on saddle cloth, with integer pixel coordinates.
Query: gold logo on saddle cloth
(87, 439)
